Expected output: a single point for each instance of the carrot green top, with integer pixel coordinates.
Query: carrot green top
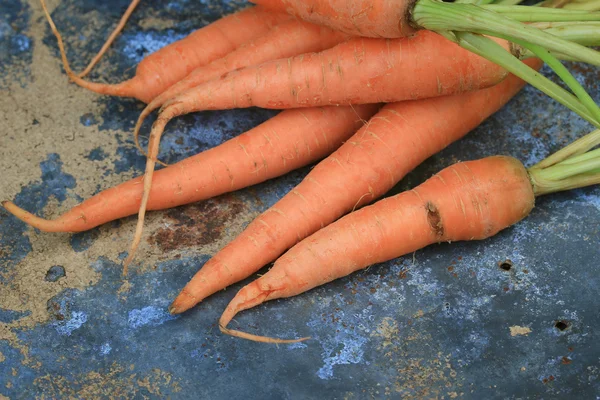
(574, 166)
(558, 30)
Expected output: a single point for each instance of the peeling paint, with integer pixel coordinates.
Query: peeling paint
(150, 315)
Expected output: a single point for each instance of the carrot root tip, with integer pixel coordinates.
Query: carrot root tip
(261, 339)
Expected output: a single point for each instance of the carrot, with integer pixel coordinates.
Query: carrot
(470, 200)
(287, 39)
(340, 73)
(464, 22)
(290, 140)
(358, 71)
(167, 66)
(396, 140)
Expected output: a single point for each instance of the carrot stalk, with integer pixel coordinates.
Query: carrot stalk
(110, 39)
(290, 140)
(287, 39)
(470, 200)
(396, 140)
(165, 67)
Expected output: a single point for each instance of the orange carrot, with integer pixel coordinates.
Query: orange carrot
(287, 39)
(370, 18)
(397, 139)
(358, 71)
(290, 140)
(467, 201)
(167, 66)
(470, 200)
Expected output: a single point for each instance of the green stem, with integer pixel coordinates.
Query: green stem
(563, 171)
(580, 158)
(537, 14)
(438, 16)
(588, 5)
(580, 168)
(580, 146)
(567, 78)
(586, 34)
(491, 50)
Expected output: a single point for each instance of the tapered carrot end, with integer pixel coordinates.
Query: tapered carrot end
(248, 297)
(128, 88)
(183, 302)
(33, 220)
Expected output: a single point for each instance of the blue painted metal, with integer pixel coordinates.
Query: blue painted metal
(430, 325)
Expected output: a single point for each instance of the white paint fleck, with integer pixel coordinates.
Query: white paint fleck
(105, 349)
(66, 327)
(345, 348)
(150, 315)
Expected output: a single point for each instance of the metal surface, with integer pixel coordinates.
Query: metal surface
(435, 324)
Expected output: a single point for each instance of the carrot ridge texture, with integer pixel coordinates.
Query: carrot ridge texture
(471, 200)
(397, 139)
(370, 18)
(156, 72)
(290, 140)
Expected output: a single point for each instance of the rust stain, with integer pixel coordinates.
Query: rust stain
(197, 224)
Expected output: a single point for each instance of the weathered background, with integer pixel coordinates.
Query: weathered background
(435, 324)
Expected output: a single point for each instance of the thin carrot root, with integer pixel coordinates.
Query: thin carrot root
(121, 89)
(30, 219)
(250, 296)
(161, 69)
(153, 146)
(111, 38)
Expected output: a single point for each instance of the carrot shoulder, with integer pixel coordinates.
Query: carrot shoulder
(289, 140)
(467, 201)
(173, 62)
(394, 141)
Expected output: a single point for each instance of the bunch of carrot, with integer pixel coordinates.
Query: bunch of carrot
(332, 81)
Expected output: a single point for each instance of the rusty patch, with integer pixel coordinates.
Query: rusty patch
(434, 219)
(197, 224)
